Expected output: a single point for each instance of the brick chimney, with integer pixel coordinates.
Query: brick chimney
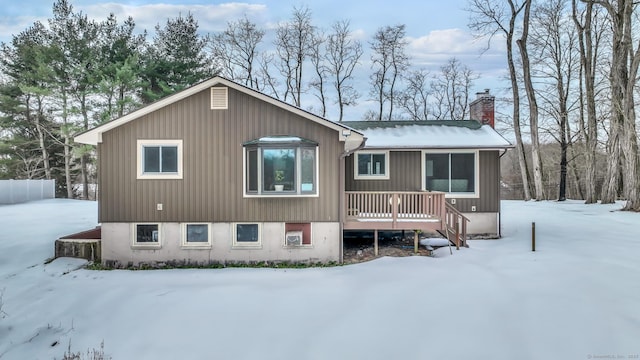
(482, 108)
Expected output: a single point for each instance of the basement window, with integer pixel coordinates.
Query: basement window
(146, 235)
(196, 235)
(247, 235)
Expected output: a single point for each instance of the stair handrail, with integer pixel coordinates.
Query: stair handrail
(456, 222)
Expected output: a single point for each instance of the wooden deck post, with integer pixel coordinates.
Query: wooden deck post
(375, 242)
(457, 237)
(415, 241)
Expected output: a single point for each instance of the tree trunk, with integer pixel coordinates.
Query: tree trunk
(522, 157)
(623, 145)
(590, 131)
(572, 165)
(84, 158)
(612, 178)
(533, 106)
(67, 144)
(562, 191)
(631, 169)
(340, 105)
(67, 165)
(43, 147)
(630, 136)
(41, 135)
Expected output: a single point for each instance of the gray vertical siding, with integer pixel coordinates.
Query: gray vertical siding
(489, 200)
(211, 189)
(406, 175)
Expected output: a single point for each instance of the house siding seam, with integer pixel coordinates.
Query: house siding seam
(211, 189)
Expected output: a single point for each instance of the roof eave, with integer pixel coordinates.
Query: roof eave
(94, 136)
(410, 147)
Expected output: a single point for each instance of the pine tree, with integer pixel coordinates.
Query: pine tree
(176, 59)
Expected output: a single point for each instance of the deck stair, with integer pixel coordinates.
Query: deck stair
(455, 229)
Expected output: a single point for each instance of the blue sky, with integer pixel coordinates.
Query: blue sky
(436, 30)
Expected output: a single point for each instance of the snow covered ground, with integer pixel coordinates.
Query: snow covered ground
(576, 297)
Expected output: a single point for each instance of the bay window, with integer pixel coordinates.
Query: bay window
(281, 166)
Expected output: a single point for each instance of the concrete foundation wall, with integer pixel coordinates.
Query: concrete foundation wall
(482, 224)
(118, 249)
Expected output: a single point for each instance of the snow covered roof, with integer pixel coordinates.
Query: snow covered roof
(430, 134)
(280, 139)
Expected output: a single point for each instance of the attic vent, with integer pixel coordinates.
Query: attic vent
(219, 98)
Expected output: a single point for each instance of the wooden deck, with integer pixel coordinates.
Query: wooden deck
(418, 211)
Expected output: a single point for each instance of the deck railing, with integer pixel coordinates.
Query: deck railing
(456, 224)
(394, 206)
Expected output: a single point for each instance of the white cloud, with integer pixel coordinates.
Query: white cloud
(10, 26)
(211, 18)
(439, 45)
(361, 35)
(433, 50)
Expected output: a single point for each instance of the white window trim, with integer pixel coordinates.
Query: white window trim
(195, 245)
(301, 246)
(145, 245)
(476, 181)
(245, 245)
(140, 157)
(274, 194)
(357, 176)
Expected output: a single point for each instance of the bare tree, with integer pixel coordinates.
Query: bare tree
(533, 105)
(623, 140)
(343, 55)
(388, 61)
(294, 44)
(451, 87)
(489, 18)
(236, 49)
(588, 56)
(554, 47)
(266, 81)
(322, 71)
(414, 99)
